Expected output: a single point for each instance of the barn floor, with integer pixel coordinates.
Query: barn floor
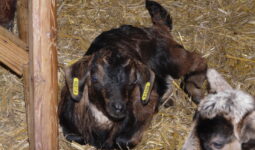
(223, 31)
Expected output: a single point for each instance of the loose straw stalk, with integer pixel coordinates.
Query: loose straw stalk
(241, 59)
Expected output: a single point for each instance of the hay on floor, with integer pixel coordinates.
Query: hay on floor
(223, 31)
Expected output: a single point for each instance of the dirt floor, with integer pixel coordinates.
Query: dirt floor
(223, 31)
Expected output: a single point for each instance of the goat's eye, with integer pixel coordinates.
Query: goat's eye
(217, 145)
(93, 79)
(248, 145)
(131, 85)
(179, 46)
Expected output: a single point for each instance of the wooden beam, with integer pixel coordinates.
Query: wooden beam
(14, 39)
(12, 51)
(29, 106)
(22, 23)
(22, 19)
(43, 74)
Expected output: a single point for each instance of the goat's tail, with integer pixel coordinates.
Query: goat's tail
(159, 14)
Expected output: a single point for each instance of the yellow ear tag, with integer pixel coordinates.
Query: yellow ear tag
(146, 91)
(75, 86)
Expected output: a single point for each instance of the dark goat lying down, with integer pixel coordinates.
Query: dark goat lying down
(113, 92)
(113, 103)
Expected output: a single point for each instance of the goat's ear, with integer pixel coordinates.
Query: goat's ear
(145, 79)
(192, 141)
(246, 128)
(216, 82)
(76, 76)
(159, 14)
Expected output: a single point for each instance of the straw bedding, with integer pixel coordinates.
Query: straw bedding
(223, 31)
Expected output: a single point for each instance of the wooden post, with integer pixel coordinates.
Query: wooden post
(22, 19)
(22, 22)
(43, 74)
(29, 107)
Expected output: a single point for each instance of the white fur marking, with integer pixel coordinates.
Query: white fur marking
(167, 95)
(217, 82)
(192, 141)
(99, 116)
(232, 103)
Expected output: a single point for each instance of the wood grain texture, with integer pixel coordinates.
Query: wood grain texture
(12, 51)
(9, 35)
(43, 74)
(22, 23)
(22, 19)
(29, 105)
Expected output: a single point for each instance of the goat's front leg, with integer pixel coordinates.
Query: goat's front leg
(130, 136)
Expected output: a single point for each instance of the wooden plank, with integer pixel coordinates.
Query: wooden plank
(43, 74)
(22, 19)
(12, 54)
(9, 35)
(22, 23)
(29, 106)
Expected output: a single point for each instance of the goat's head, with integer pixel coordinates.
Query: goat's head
(111, 80)
(223, 118)
(216, 134)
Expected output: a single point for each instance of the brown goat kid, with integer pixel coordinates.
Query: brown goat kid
(113, 92)
(109, 111)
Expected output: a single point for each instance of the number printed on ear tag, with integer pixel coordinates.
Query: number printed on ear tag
(75, 86)
(146, 91)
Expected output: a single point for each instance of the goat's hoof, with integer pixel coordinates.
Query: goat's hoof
(75, 138)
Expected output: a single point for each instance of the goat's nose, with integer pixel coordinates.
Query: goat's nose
(118, 107)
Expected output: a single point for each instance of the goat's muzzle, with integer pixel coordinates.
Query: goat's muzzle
(117, 109)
